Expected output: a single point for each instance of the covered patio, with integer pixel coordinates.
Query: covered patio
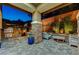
(51, 38)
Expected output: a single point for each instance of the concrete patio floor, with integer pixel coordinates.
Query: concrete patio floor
(47, 47)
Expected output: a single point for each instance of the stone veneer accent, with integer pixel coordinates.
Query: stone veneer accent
(37, 32)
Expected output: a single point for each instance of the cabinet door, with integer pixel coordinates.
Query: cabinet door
(73, 40)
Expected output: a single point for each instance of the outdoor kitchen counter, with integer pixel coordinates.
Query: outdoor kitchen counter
(60, 37)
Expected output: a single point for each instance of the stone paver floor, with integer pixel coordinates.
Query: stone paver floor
(47, 47)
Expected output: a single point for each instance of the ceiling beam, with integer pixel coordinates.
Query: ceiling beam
(25, 6)
(57, 7)
(41, 8)
(47, 6)
(50, 6)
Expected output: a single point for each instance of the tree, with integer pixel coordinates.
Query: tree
(68, 25)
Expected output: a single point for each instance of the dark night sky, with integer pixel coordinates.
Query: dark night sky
(11, 13)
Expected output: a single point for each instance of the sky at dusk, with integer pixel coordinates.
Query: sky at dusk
(11, 13)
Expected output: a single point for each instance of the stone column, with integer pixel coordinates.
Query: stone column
(78, 33)
(78, 29)
(37, 27)
(0, 27)
(78, 23)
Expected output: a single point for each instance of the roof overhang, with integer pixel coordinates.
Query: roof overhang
(43, 7)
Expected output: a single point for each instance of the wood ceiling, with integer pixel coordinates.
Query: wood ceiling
(36, 4)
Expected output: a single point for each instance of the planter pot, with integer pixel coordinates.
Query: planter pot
(31, 40)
